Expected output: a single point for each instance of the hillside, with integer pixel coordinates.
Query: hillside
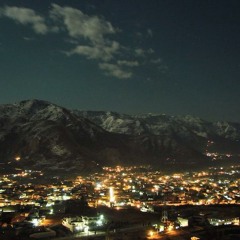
(39, 135)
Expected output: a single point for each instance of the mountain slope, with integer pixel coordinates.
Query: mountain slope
(40, 135)
(49, 137)
(191, 132)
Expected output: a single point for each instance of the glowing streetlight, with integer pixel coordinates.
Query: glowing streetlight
(111, 196)
(151, 233)
(17, 158)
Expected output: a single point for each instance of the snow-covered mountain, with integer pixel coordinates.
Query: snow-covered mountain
(46, 136)
(40, 135)
(190, 131)
(158, 124)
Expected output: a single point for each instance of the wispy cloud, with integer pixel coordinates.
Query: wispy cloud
(156, 61)
(26, 16)
(79, 24)
(128, 63)
(142, 52)
(90, 36)
(94, 31)
(121, 69)
(150, 32)
(139, 52)
(28, 39)
(103, 52)
(115, 70)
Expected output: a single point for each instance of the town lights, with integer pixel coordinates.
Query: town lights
(98, 186)
(35, 222)
(78, 228)
(111, 196)
(17, 158)
(150, 233)
(99, 222)
(170, 227)
(86, 229)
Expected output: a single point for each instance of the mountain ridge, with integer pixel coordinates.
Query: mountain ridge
(150, 121)
(51, 138)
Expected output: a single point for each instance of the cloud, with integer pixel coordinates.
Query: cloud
(156, 61)
(26, 16)
(142, 52)
(79, 24)
(128, 63)
(150, 32)
(139, 52)
(163, 68)
(150, 51)
(103, 52)
(92, 29)
(115, 71)
(139, 34)
(28, 39)
(90, 36)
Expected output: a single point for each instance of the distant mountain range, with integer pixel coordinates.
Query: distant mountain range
(39, 135)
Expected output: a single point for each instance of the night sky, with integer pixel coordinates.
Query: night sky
(175, 57)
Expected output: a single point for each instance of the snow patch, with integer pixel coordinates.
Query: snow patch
(59, 150)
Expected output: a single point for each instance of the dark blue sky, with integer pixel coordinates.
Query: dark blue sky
(162, 56)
